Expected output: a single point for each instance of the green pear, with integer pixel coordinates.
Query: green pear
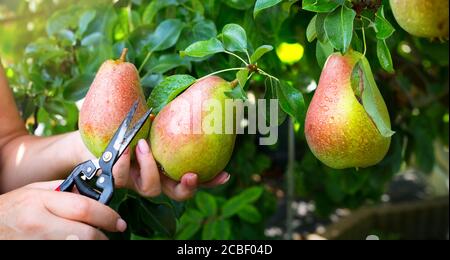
(110, 97)
(178, 138)
(422, 18)
(339, 131)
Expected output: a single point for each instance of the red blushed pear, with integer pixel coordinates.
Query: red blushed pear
(178, 138)
(338, 130)
(112, 94)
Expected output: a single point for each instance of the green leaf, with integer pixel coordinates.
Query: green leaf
(198, 7)
(271, 93)
(206, 203)
(223, 229)
(239, 4)
(203, 48)
(250, 214)
(233, 206)
(234, 38)
(372, 100)
(63, 19)
(384, 56)
(209, 230)
(203, 30)
(260, 52)
(191, 223)
(167, 90)
(55, 107)
(135, 237)
(357, 43)
(122, 27)
(149, 81)
(236, 203)
(167, 62)
(189, 231)
(44, 50)
(323, 51)
(76, 88)
(92, 39)
(192, 216)
(264, 4)
(85, 19)
(311, 33)
(383, 27)
(242, 76)
(154, 7)
(67, 37)
(165, 35)
(121, 3)
(250, 195)
(339, 27)
(237, 93)
(159, 217)
(120, 196)
(104, 22)
(320, 28)
(291, 101)
(320, 6)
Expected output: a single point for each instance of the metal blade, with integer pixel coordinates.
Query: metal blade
(117, 140)
(133, 131)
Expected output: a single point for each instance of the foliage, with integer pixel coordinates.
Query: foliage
(51, 66)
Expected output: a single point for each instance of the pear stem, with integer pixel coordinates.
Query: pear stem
(364, 40)
(145, 61)
(237, 56)
(123, 56)
(220, 71)
(262, 72)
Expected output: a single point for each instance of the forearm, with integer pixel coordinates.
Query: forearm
(26, 159)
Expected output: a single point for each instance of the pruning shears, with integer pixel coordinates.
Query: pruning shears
(82, 176)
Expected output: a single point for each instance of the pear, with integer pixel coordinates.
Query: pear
(178, 138)
(422, 18)
(338, 130)
(110, 97)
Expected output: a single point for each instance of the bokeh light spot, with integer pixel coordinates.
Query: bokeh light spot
(290, 53)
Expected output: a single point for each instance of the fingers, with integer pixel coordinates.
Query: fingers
(82, 209)
(72, 230)
(146, 179)
(183, 190)
(51, 185)
(220, 179)
(188, 185)
(121, 170)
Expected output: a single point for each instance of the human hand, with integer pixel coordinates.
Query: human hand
(145, 178)
(37, 212)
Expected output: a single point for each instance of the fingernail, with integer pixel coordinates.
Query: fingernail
(127, 151)
(192, 180)
(143, 147)
(121, 225)
(226, 179)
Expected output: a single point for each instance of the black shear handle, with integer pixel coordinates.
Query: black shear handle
(104, 187)
(85, 189)
(104, 196)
